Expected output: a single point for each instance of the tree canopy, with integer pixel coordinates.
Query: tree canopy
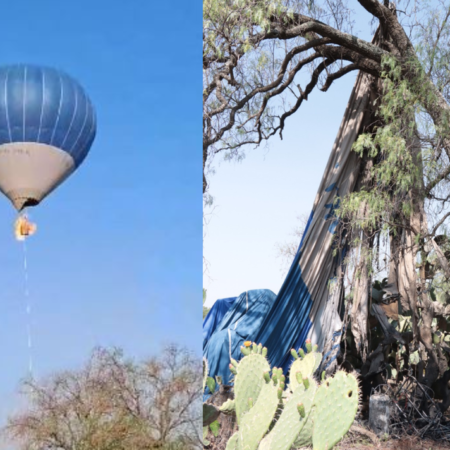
(262, 59)
(114, 403)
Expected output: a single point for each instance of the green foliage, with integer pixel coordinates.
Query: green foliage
(215, 428)
(205, 436)
(272, 418)
(238, 17)
(397, 167)
(211, 383)
(210, 413)
(440, 289)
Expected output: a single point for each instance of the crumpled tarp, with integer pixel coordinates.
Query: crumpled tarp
(309, 303)
(306, 306)
(214, 317)
(241, 323)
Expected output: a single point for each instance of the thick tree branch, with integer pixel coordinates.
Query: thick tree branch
(304, 25)
(340, 73)
(390, 24)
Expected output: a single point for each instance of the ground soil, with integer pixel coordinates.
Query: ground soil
(395, 444)
(355, 442)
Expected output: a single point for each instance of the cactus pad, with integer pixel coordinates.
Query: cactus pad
(266, 442)
(306, 366)
(290, 422)
(228, 407)
(249, 381)
(232, 443)
(301, 415)
(210, 414)
(335, 406)
(256, 422)
(304, 438)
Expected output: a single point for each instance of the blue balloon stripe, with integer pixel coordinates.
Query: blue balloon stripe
(44, 105)
(14, 95)
(88, 136)
(24, 113)
(75, 109)
(78, 141)
(6, 105)
(52, 102)
(61, 100)
(83, 148)
(3, 123)
(34, 97)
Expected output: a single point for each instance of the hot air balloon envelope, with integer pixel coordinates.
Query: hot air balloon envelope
(47, 126)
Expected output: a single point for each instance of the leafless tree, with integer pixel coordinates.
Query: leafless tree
(115, 404)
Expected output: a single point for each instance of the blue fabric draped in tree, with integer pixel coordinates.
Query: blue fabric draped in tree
(309, 302)
(307, 306)
(291, 315)
(241, 323)
(214, 316)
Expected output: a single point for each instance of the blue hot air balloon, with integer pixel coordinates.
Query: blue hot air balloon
(47, 126)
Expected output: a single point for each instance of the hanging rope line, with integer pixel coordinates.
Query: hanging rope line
(28, 310)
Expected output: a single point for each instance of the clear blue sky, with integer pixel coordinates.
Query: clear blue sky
(118, 253)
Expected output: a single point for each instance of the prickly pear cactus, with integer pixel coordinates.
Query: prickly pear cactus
(304, 438)
(335, 406)
(232, 443)
(301, 415)
(248, 381)
(295, 415)
(266, 442)
(256, 422)
(228, 407)
(306, 364)
(210, 414)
